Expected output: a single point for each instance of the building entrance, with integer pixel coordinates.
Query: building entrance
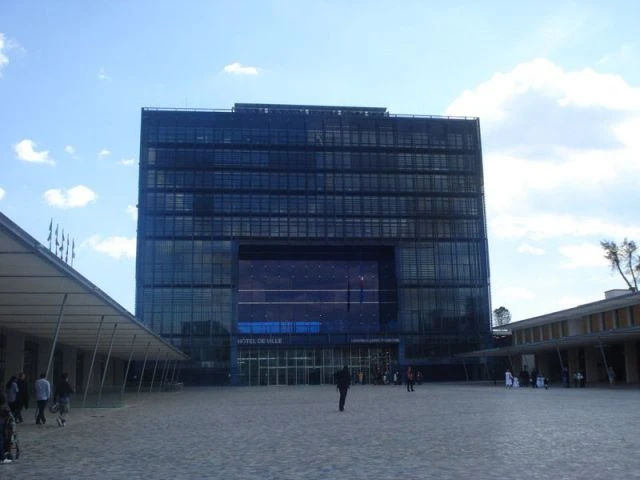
(315, 366)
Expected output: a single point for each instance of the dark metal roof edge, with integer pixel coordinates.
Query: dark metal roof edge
(576, 340)
(579, 310)
(293, 108)
(296, 107)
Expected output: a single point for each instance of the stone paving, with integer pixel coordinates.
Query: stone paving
(437, 432)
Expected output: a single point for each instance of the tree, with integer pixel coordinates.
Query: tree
(624, 259)
(501, 316)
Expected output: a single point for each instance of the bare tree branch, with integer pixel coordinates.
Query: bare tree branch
(501, 316)
(619, 256)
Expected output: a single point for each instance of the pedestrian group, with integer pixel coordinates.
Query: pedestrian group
(15, 400)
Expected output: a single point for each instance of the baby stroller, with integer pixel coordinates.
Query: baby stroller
(10, 437)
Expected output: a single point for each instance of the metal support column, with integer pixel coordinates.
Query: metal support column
(164, 370)
(144, 364)
(488, 372)
(604, 357)
(126, 372)
(55, 336)
(173, 373)
(153, 377)
(93, 361)
(559, 356)
(464, 365)
(106, 364)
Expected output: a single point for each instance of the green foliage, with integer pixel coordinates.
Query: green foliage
(624, 259)
(501, 316)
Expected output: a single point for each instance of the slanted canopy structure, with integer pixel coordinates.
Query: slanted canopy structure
(42, 296)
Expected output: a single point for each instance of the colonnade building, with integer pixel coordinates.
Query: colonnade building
(594, 339)
(277, 243)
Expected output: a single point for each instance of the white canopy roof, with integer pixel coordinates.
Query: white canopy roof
(33, 286)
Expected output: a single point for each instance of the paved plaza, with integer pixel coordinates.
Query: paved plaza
(438, 431)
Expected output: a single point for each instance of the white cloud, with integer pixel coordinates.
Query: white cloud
(102, 74)
(526, 248)
(70, 149)
(2, 193)
(546, 129)
(133, 211)
(236, 68)
(626, 133)
(510, 177)
(492, 100)
(583, 255)
(540, 226)
(127, 162)
(115, 247)
(561, 157)
(26, 151)
(515, 293)
(78, 196)
(104, 153)
(623, 54)
(3, 58)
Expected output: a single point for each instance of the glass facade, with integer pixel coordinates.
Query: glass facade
(279, 238)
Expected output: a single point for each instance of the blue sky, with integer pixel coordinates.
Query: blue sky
(556, 86)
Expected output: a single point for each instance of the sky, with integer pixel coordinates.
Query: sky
(556, 86)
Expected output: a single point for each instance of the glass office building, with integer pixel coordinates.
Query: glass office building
(277, 243)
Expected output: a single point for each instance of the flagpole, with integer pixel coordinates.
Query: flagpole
(57, 243)
(50, 230)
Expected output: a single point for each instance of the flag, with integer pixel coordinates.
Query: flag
(62, 245)
(73, 251)
(348, 293)
(49, 237)
(66, 256)
(57, 242)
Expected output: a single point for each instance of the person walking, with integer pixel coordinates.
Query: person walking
(23, 396)
(43, 392)
(343, 381)
(410, 380)
(508, 379)
(11, 391)
(63, 399)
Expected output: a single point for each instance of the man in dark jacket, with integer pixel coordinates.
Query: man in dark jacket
(343, 381)
(63, 399)
(23, 396)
